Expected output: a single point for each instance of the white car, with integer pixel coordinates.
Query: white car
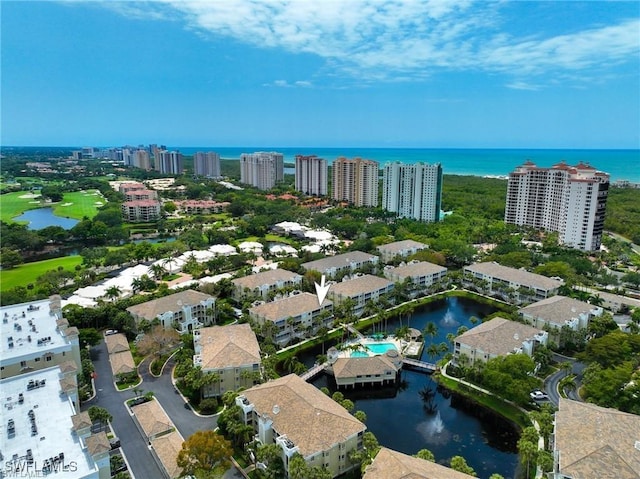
(538, 395)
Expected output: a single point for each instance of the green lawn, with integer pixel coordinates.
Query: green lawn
(11, 205)
(79, 204)
(27, 273)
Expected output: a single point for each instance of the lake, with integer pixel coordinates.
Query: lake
(446, 424)
(43, 217)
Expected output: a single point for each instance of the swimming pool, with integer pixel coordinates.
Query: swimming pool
(381, 348)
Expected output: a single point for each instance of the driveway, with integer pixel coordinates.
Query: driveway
(551, 382)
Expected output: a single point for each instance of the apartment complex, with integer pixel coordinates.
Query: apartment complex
(390, 464)
(413, 190)
(355, 181)
(342, 263)
(262, 169)
(559, 311)
(206, 164)
(169, 162)
(141, 210)
(232, 352)
(300, 418)
(360, 291)
(568, 199)
(399, 249)
(422, 274)
(265, 282)
(311, 175)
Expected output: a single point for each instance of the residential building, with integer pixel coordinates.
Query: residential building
(378, 370)
(128, 186)
(413, 190)
(169, 162)
(141, 210)
(342, 263)
(568, 199)
(615, 302)
(559, 311)
(46, 433)
(184, 311)
(390, 464)
(360, 291)
(141, 159)
(262, 169)
(516, 284)
(399, 249)
(300, 418)
(498, 337)
(206, 164)
(232, 352)
(311, 175)
(293, 316)
(35, 336)
(421, 274)
(140, 194)
(590, 441)
(201, 206)
(265, 283)
(120, 356)
(355, 181)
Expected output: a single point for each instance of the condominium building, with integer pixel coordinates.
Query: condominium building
(422, 274)
(355, 181)
(568, 199)
(142, 160)
(262, 169)
(342, 263)
(141, 210)
(264, 283)
(360, 291)
(399, 249)
(413, 190)
(311, 175)
(134, 195)
(390, 464)
(206, 164)
(169, 162)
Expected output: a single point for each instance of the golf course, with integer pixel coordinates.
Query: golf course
(76, 205)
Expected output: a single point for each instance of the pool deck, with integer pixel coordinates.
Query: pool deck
(411, 349)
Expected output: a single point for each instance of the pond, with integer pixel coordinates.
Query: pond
(43, 217)
(419, 415)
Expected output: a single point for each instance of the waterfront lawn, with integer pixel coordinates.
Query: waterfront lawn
(82, 204)
(13, 205)
(27, 273)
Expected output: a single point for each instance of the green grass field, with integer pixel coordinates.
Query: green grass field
(82, 204)
(12, 205)
(27, 273)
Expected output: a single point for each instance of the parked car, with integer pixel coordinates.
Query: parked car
(538, 395)
(114, 442)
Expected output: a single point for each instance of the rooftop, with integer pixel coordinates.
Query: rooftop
(339, 261)
(416, 269)
(152, 418)
(116, 343)
(497, 336)
(558, 309)
(39, 423)
(513, 275)
(173, 302)
(167, 448)
(399, 246)
(122, 363)
(607, 447)
(31, 329)
(291, 402)
(353, 367)
(389, 464)
(222, 347)
(270, 276)
(361, 285)
(290, 306)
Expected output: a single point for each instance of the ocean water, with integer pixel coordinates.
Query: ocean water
(619, 164)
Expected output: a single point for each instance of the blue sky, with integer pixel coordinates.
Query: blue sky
(383, 73)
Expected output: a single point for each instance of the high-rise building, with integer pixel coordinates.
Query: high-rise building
(169, 162)
(311, 175)
(355, 181)
(141, 159)
(206, 164)
(413, 190)
(568, 199)
(262, 169)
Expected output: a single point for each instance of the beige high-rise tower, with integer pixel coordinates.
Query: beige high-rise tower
(355, 181)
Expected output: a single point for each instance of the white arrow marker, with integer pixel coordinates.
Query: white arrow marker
(321, 290)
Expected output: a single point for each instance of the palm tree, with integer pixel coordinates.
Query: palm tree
(113, 292)
(430, 329)
(136, 285)
(567, 367)
(158, 271)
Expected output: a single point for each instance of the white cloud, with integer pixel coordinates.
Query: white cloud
(391, 39)
(521, 85)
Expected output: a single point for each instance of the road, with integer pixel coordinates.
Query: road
(551, 382)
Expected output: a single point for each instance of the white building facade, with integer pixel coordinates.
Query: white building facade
(261, 169)
(206, 164)
(311, 175)
(413, 190)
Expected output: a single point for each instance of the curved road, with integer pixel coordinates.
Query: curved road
(552, 381)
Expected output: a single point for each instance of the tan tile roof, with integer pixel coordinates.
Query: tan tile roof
(416, 269)
(228, 346)
(268, 277)
(352, 367)
(68, 367)
(68, 384)
(98, 443)
(290, 306)
(116, 343)
(122, 363)
(399, 246)
(308, 417)
(152, 418)
(596, 442)
(338, 261)
(513, 275)
(557, 309)
(173, 302)
(167, 448)
(497, 336)
(390, 464)
(362, 285)
(81, 420)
